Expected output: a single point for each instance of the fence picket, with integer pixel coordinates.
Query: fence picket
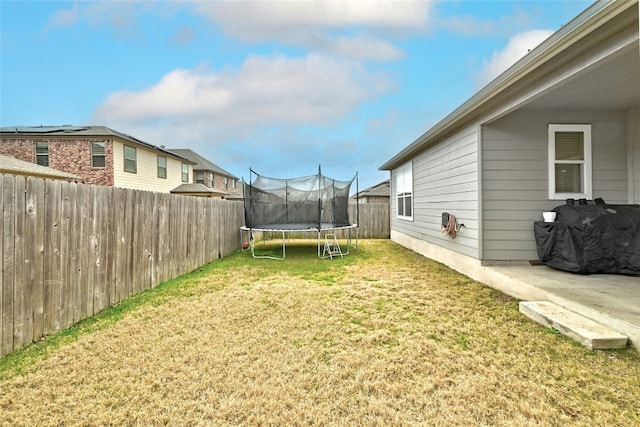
(8, 263)
(35, 210)
(51, 253)
(19, 276)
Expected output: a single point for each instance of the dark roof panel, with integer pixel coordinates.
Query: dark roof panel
(67, 130)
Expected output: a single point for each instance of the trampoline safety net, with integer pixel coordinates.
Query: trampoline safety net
(310, 202)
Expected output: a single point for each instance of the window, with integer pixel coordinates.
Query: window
(130, 159)
(404, 191)
(234, 184)
(200, 177)
(226, 183)
(42, 153)
(210, 179)
(185, 172)
(98, 154)
(569, 161)
(162, 167)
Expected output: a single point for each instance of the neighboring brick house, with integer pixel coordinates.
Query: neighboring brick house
(99, 155)
(218, 181)
(379, 193)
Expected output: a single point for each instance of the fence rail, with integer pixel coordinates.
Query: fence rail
(68, 251)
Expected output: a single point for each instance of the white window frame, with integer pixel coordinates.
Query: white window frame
(185, 173)
(42, 153)
(404, 190)
(95, 154)
(162, 167)
(130, 159)
(586, 162)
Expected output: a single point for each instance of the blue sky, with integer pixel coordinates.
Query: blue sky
(278, 86)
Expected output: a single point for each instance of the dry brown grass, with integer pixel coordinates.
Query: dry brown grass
(384, 337)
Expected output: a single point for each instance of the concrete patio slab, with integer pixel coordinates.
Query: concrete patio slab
(609, 299)
(590, 334)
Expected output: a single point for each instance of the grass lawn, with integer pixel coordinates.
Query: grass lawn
(383, 337)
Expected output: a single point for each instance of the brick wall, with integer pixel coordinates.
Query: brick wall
(71, 155)
(218, 183)
(20, 149)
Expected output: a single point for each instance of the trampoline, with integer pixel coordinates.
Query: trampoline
(311, 204)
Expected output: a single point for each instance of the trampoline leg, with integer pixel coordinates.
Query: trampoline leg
(253, 253)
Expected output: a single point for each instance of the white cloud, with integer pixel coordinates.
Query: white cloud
(65, 18)
(330, 26)
(122, 17)
(263, 92)
(255, 20)
(472, 25)
(517, 47)
(350, 28)
(363, 48)
(178, 93)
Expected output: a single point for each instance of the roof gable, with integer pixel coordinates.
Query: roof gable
(601, 21)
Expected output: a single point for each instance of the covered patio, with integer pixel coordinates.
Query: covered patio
(609, 299)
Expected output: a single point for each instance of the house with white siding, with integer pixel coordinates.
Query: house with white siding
(99, 155)
(563, 122)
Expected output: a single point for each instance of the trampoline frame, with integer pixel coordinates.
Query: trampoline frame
(285, 231)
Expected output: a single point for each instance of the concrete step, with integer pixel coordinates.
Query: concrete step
(590, 334)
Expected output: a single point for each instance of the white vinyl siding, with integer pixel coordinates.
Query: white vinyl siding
(147, 176)
(569, 168)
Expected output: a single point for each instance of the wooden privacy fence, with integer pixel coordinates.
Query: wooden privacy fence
(372, 219)
(70, 250)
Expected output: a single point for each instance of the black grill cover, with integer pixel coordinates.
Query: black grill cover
(591, 238)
